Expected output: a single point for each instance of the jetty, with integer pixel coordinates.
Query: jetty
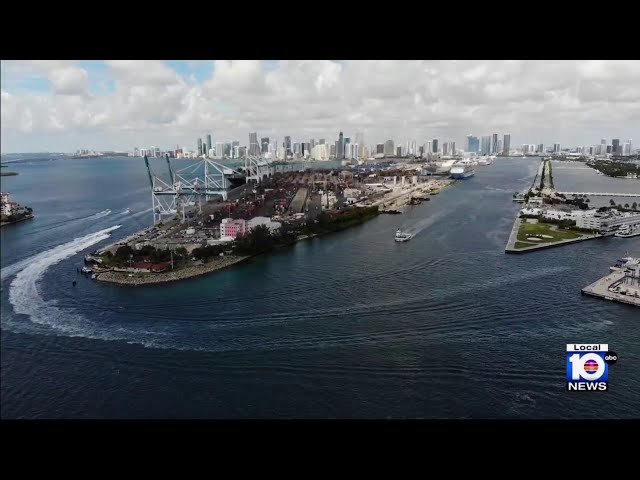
(621, 286)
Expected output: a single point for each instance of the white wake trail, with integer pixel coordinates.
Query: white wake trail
(24, 293)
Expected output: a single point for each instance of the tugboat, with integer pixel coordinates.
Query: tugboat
(403, 236)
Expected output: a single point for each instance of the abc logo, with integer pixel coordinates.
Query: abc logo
(590, 366)
(611, 357)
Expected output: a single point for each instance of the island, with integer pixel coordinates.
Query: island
(616, 169)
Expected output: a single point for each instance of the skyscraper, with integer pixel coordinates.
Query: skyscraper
(340, 147)
(494, 143)
(388, 148)
(312, 144)
(287, 146)
(445, 148)
(499, 150)
(254, 148)
(199, 146)
(219, 149)
(434, 142)
(541, 148)
(473, 144)
(506, 144)
(615, 146)
(321, 141)
(209, 145)
(379, 148)
(556, 148)
(332, 150)
(265, 144)
(453, 148)
(485, 147)
(398, 151)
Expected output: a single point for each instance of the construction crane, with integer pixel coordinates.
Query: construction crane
(204, 178)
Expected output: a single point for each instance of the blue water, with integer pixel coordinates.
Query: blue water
(350, 325)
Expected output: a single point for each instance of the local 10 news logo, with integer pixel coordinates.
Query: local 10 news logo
(588, 366)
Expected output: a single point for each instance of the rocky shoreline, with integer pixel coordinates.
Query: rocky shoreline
(123, 278)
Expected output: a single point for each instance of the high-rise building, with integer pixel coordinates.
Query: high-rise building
(321, 141)
(608, 149)
(429, 148)
(434, 142)
(312, 144)
(296, 148)
(287, 146)
(473, 144)
(630, 146)
(208, 146)
(556, 148)
(398, 151)
(541, 148)
(254, 147)
(379, 148)
(360, 139)
(445, 148)
(485, 147)
(615, 146)
(506, 144)
(453, 148)
(494, 143)
(199, 146)
(499, 150)
(219, 149)
(332, 150)
(421, 150)
(388, 148)
(265, 144)
(366, 153)
(340, 147)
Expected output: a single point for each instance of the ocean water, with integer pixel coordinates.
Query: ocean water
(349, 325)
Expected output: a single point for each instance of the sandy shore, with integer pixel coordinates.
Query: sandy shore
(123, 278)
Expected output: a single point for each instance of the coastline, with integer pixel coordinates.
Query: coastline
(28, 217)
(123, 279)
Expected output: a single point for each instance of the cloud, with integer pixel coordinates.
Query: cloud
(160, 103)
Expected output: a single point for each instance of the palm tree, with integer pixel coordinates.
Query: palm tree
(612, 202)
(635, 205)
(626, 205)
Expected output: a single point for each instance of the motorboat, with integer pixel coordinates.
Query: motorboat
(403, 236)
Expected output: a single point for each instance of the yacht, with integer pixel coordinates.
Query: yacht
(626, 232)
(403, 236)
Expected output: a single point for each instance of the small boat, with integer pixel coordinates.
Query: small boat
(403, 236)
(85, 270)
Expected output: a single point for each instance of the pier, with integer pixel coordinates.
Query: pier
(600, 194)
(612, 286)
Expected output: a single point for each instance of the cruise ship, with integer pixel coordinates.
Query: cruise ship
(462, 171)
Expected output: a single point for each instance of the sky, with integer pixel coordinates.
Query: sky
(63, 105)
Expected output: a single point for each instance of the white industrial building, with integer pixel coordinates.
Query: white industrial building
(266, 221)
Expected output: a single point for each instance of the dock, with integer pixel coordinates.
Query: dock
(602, 288)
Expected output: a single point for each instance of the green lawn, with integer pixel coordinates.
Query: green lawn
(529, 229)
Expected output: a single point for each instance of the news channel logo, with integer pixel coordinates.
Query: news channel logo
(588, 367)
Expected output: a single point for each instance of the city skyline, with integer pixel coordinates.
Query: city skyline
(118, 105)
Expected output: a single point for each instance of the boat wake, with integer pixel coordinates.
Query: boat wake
(422, 224)
(24, 292)
(101, 214)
